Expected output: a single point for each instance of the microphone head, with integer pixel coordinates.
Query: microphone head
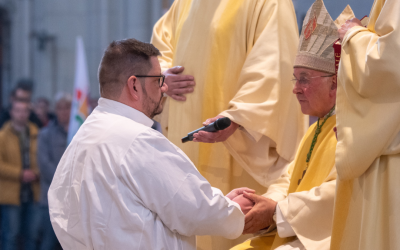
(185, 139)
(222, 123)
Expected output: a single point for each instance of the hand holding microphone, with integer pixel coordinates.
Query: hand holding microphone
(210, 133)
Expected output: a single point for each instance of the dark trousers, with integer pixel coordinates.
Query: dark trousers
(49, 238)
(20, 222)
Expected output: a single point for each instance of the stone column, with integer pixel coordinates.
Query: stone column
(25, 41)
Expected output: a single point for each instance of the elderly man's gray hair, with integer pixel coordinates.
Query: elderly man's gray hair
(63, 97)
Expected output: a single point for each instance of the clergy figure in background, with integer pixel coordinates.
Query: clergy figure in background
(236, 55)
(296, 213)
(368, 125)
(121, 184)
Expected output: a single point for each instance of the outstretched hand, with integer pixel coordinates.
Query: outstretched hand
(260, 216)
(347, 26)
(212, 137)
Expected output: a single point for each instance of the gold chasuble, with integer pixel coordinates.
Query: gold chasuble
(368, 122)
(241, 54)
(308, 207)
(311, 218)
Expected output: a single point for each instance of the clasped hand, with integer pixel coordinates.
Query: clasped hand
(261, 214)
(236, 195)
(259, 210)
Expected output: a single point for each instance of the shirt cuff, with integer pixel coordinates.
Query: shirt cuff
(284, 228)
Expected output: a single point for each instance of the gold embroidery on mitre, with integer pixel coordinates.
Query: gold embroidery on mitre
(310, 28)
(318, 35)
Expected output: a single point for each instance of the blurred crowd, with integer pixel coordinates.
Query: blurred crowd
(33, 138)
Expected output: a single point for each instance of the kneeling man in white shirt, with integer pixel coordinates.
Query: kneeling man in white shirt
(121, 184)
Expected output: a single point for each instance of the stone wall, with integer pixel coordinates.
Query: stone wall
(43, 35)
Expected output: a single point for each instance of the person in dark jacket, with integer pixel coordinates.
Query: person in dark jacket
(22, 92)
(41, 108)
(52, 143)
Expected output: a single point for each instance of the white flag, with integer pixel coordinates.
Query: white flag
(80, 102)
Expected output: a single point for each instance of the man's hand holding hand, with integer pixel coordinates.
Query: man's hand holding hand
(238, 191)
(219, 136)
(260, 216)
(348, 25)
(245, 204)
(178, 85)
(236, 195)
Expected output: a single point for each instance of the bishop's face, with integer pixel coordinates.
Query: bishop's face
(315, 91)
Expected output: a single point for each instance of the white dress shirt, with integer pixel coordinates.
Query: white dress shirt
(122, 185)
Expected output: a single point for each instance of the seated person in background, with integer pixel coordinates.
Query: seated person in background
(121, 184)
(52, 143)
(301, 201)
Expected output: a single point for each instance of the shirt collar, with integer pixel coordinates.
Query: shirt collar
(121, 109)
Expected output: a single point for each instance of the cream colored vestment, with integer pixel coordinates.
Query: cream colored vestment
(307, 207)
(368, 123)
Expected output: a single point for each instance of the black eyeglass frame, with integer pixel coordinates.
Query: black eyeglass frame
(160, 76)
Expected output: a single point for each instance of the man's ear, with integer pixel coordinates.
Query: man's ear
(134, 87)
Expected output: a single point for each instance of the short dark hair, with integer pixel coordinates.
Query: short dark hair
(24, 84)
(121, 60)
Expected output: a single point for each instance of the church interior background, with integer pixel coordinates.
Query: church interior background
(37, 37)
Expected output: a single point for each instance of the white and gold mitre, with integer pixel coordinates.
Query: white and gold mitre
(348, 14)
(318, 34)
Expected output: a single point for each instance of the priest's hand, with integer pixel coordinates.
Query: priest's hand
(347, 26)
(212, 137)
(260, 216)
(178, 85)
(245, 204)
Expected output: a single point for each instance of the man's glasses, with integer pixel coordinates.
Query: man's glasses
(160, 81)
(303, 81)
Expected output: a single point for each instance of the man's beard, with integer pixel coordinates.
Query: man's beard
(152, 107)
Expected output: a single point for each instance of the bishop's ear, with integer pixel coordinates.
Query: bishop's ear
(334, 83)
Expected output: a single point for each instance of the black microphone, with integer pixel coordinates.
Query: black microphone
(219, 124)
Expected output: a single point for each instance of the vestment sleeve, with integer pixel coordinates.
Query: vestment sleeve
(163, 37)
(368, 91)
(278, 190)
(169, 185)
(310, 213)
(265, 105)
